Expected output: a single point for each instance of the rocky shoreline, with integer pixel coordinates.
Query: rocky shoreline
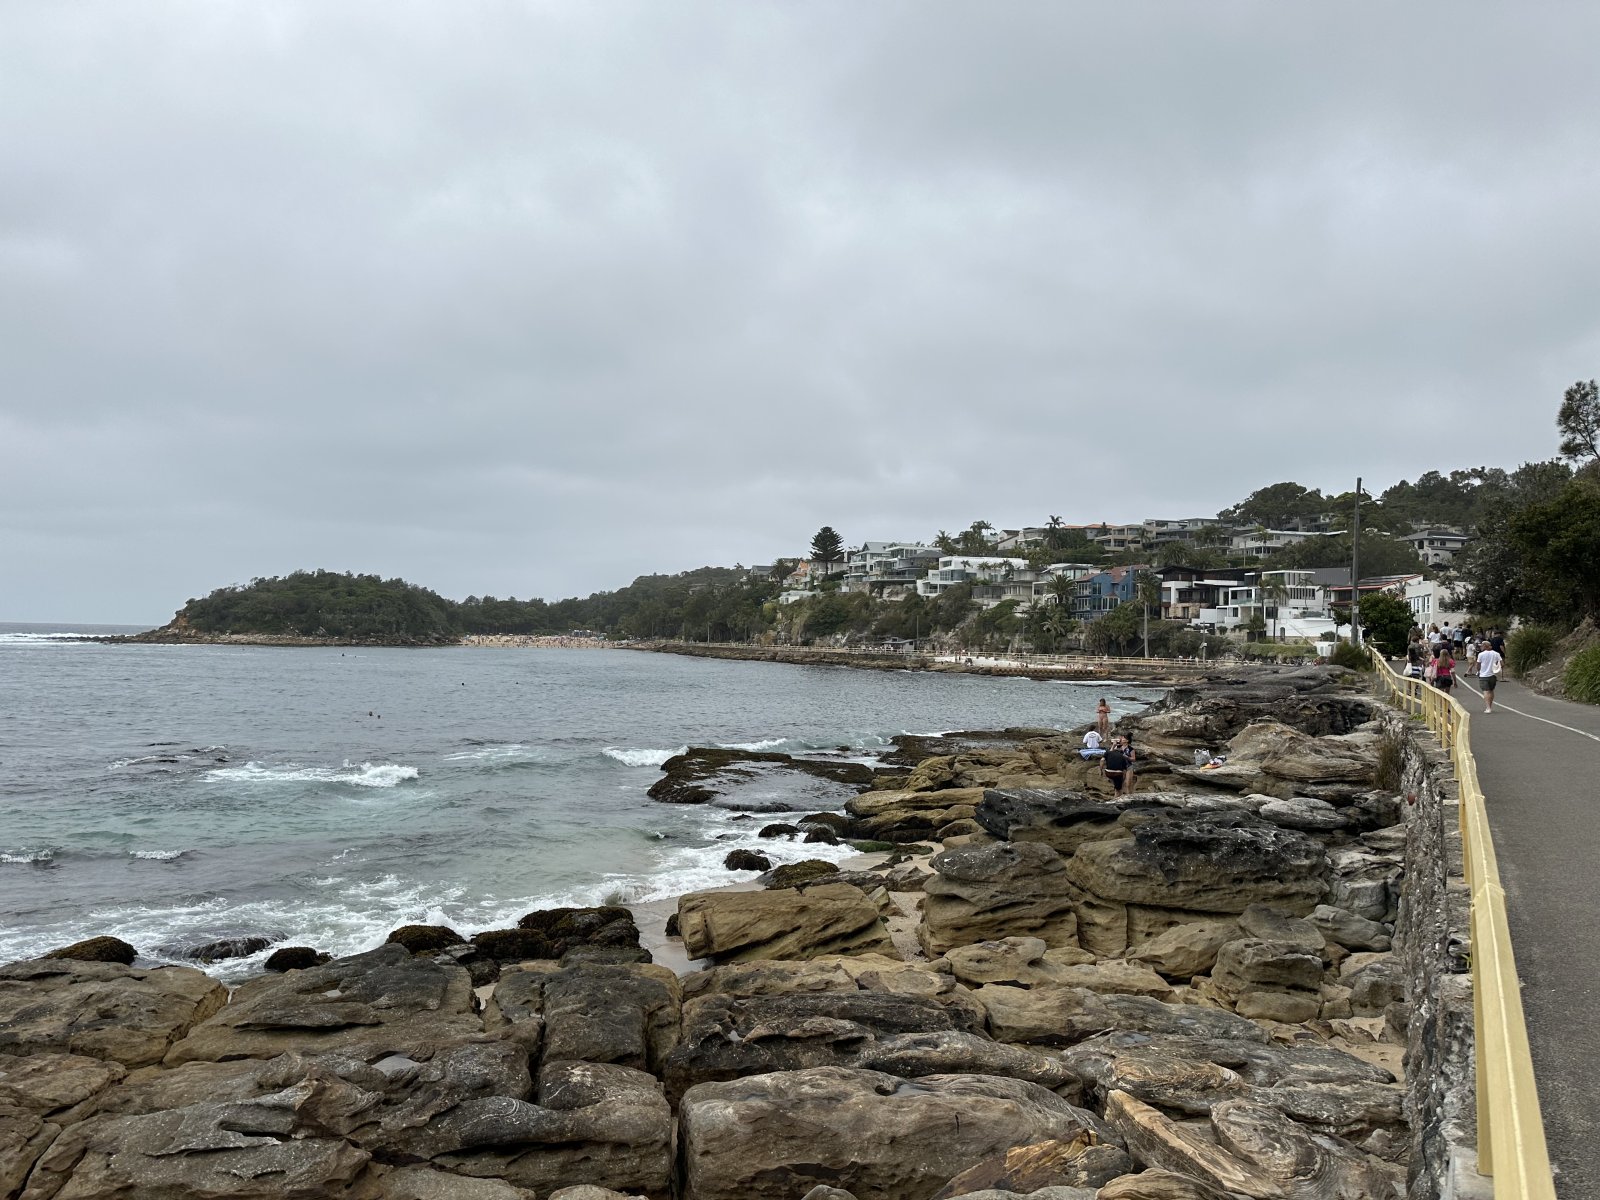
(1041, 988)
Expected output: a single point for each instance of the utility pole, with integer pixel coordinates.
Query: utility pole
(1355, 571)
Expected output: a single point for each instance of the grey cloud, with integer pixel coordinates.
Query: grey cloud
(529, 299)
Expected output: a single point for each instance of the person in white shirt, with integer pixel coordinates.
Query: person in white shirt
(1091, 745)
(1489, 661)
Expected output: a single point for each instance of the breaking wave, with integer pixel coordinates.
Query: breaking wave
(642, 758)
(373, 775)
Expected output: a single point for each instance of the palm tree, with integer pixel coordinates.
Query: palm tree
(1148, 589)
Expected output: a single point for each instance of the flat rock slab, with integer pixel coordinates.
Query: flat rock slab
(773, 1137)
(383, 999)
(128, 1015)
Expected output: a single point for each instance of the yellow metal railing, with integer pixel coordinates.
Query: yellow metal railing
(1511, 1144)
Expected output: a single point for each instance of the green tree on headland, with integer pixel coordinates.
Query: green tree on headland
(1579, 422)
(827, 546)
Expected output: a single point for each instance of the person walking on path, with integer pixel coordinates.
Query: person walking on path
(1444, 668)
(1102, 719)
(1489, 663)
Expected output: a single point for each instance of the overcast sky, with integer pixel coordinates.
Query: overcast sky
(529, 299)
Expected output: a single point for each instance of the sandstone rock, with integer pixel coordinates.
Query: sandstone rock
(961, 827)
(1346, 929)
(295, 958)
(98, 949)
(1018, 960)
(1364, 883)
(1375, 981)
(1302, 812)
(587, 1191)
(612, 1014)
(1059, 818)
(1270, 925)
(1082, 1162)
(428, 1183)
(1054, 1015)
(1187, 950)
(824, 837)
(903, 816)
(790, 875)
(1272, 758)
(726, 1038)
(425, 939)
(746, 860)
(43, 1092)
(383, 999)
(824, 919)
(772, 1136)
(1214, 862)
(101, 1010)
(1286, 1005)
(778, 829)
(1159, 1185)
(1120, 978)
(593, 1123)
(216, 946)
(704, 774)
(1326, 1088)
(982, 893)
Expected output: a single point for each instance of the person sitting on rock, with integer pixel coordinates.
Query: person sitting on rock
(1091, 745)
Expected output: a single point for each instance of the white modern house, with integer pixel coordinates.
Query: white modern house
(1264, 543)
(978, 570)
(1437, 547)
(1293, 606)
(891, 569)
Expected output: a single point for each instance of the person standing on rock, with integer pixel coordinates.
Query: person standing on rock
(1102, 719)
(1115, 765)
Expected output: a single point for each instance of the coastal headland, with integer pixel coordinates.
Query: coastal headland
(1036, 985)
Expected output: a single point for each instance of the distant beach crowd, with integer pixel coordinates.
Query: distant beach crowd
(524, 640)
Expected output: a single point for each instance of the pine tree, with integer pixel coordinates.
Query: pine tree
(827, 546)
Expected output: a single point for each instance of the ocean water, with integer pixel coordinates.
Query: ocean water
(164, 793)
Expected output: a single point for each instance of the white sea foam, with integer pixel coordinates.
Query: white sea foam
(372, 775)
(27, 856)
(642, 758)
(158, 855)
(514, 751)
(764, 744)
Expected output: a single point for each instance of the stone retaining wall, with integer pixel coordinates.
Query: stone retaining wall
(1434, 942)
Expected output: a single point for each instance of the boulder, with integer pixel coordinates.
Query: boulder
(593, 1123)
(600, 1013)
(224, 1151)
(1056, 1015)
(827, 918)
(383, 999)
(1157, 1184)
(425, 939)
(983, 893)
(1209, 862)
(1302, 812)
(1321, 1086)
(904, 816)
(1082, 1162)
(1272, 925)
(97, 949)
(726, 1038)
(102, 1010)
(1252, 1150)
(1344, 928)
(778, 829)
(773, 1137)
(40, 1094)
(1115, 978)
(1375, 982)
(295, 958)
(1271, 758)
(790, 875)
(1060, 818)
(1364, 883)
(1187, 950)
(1018, 960)
(429, 1183)
(702, 774)
(747, 860)
(214, 945)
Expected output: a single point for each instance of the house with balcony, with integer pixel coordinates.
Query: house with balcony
(1434, 603)
(1012, 540)
(1263, 543)
(1117, 538)
(1158, 532)
(888, 569)
(1189, 594)
(988, 575)
(1097, 594)
(1292, 605)
(1436, 546)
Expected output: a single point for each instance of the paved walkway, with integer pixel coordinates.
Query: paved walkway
(1539, 764)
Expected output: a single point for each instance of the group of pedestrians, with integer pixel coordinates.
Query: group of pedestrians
(1432, 656)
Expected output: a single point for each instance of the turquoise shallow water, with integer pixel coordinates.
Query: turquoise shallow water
(158, 792)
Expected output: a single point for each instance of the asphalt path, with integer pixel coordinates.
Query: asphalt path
(1539, 764)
